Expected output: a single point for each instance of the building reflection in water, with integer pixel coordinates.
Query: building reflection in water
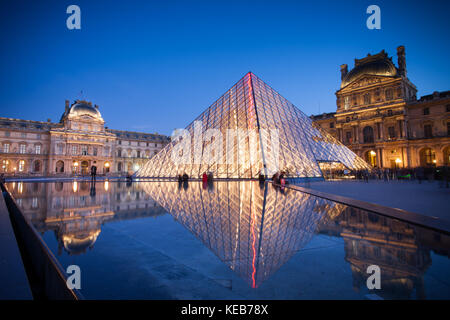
(254, 229)
(76, 211)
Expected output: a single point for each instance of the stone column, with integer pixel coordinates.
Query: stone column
(439, 156)
(380, 157)
(405, 129)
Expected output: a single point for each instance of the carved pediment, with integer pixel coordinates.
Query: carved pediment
(365, 81)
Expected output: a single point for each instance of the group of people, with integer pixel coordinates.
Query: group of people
(420, 173)
(279, 178)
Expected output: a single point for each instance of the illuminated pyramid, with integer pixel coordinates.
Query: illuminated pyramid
(248, 131)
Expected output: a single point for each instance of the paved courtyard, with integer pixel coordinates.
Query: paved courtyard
(427, 198)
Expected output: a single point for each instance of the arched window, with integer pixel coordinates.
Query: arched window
(21, 165)
(447, 156)
(368, 134)
(427, 157)
(60, 166)
(371, 157)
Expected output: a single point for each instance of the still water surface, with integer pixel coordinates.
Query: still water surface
(229, 240)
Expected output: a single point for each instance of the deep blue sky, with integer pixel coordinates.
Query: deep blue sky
(154, 66)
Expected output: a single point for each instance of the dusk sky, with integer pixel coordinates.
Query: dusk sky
(153, 66)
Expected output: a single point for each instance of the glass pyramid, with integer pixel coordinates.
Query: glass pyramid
(249, 130)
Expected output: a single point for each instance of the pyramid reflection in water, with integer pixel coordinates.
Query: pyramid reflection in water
(253, 229)
(285, 139)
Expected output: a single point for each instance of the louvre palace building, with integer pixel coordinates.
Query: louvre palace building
(72, 146)
(380, 118)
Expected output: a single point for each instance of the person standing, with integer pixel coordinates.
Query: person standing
(93, 173)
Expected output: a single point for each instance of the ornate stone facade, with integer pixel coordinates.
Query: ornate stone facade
(74, 144)
(379, 117)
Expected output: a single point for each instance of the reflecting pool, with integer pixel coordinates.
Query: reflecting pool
(229, 240)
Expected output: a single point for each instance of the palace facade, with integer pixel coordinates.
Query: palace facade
(379, 117)
(74, 144)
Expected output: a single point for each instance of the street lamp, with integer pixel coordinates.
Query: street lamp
(397, 162)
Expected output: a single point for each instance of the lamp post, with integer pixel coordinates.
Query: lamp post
(75, 165)
(372, 154)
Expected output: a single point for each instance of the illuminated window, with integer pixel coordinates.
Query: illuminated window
(6, 148)
(22, 148)
(74, 149)
(21, 165)
(38, 149)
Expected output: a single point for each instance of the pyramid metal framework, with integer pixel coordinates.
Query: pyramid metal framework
(253, 106)
(254, 230)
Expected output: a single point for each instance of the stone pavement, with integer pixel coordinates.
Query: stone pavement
(13, 279)
(427, 198)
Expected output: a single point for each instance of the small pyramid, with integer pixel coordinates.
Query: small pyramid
(248, 131)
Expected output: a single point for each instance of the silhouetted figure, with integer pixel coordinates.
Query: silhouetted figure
(276, 178)
(129, 181)
(93, 173)
(204, 178)
(92, 191)
(185, 177)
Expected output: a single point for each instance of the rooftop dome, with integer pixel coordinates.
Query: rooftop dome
(78, 243)
(377, 65)
(81, 108)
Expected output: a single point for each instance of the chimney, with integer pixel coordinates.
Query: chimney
(401, 60)
(344, 71)
(67, 105)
